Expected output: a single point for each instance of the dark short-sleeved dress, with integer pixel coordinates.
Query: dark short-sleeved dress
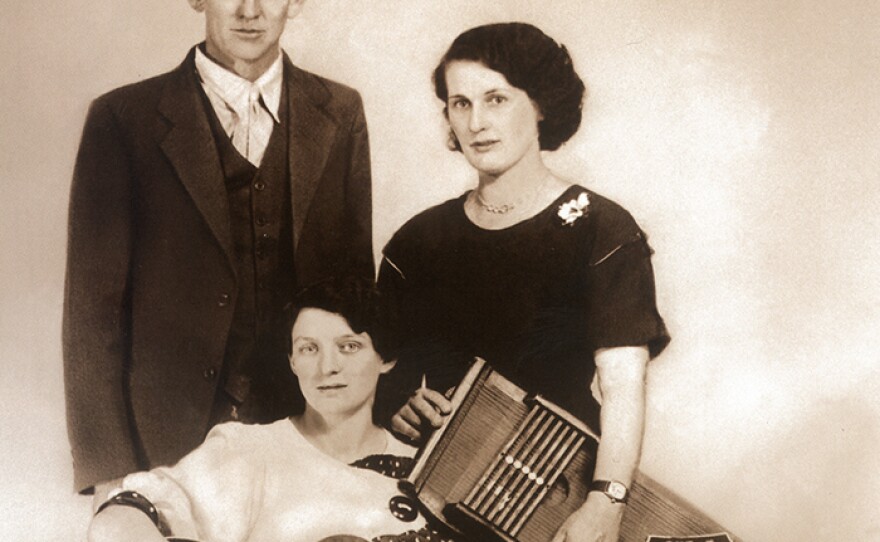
(535, 300)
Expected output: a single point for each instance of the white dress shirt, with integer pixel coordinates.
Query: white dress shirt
(248, 111)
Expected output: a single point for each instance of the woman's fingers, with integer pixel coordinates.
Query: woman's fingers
(402, 426)
(426, 407)
(431, 405)
(439, 401)
(410, 416)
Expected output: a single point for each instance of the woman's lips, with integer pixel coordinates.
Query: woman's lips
(482, 146)
(331, 387)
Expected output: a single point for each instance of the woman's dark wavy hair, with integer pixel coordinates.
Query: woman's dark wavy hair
(531, 61)
(357, 300)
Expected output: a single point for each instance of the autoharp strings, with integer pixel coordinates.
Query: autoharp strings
(525, 470)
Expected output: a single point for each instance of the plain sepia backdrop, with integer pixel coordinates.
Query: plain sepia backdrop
(744, 136)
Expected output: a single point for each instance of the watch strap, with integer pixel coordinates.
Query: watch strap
(614, 490)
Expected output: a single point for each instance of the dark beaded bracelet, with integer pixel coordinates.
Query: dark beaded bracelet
(134, 500)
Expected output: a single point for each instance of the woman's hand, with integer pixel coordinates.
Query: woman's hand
(426, 409)
(621, 377)
(598, 520)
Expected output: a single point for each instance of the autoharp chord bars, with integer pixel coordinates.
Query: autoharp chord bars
(482, 491)
(525, 469)
(517, 467)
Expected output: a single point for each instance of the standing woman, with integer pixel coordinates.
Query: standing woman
(548, 281)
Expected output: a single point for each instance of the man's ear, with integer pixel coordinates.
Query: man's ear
(387, 366)
(198, 5)
(293, 9)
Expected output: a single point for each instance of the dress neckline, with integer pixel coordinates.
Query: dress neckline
(564, 195)
(299, 436)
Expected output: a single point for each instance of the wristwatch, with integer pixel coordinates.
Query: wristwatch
(612, 489)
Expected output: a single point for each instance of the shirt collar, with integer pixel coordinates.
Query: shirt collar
(234, 89)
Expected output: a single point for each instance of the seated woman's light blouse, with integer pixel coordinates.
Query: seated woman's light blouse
(268, 483)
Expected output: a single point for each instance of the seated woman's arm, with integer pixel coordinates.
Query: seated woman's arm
(213, 490)
(123, 524)
(621, 375)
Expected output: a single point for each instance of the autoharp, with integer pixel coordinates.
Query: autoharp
(511, 467)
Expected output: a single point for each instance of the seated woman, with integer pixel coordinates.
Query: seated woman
(326, 472)
(543, 278)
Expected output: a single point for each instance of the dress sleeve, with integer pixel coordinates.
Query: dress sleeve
(622, 301)
(213, 493)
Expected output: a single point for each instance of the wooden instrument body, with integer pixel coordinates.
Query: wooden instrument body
(455, 480)
(484, 475)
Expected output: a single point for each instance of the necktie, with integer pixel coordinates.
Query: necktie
(252, 128)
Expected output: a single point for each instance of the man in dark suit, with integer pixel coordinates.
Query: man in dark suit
(201, 200)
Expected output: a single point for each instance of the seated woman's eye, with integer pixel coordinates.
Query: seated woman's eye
(460, 104)
(349, 347)
(497, 99)
(308, 348)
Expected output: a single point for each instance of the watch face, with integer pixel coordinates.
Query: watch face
(617, 490)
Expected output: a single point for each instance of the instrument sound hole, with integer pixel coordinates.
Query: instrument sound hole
(559, 492)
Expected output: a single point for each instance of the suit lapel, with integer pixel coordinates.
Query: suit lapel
(312, 132)
(190, 147)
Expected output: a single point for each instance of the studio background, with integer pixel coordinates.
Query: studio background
(744, 137)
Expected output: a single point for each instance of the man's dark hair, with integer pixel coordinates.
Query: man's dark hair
(531, 61)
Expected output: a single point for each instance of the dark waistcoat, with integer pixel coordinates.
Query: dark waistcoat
(260, 219)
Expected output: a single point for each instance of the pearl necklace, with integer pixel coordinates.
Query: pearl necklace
(495, 209)
(507, 207)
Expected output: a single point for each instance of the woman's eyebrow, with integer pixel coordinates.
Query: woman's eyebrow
(486, 93)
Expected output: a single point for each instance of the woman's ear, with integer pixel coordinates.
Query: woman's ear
(387, 366)
(452, 142)
(198, 5)
(538, 111)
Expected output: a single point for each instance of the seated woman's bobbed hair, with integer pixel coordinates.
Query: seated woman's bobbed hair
(355, 299)
(531, 61)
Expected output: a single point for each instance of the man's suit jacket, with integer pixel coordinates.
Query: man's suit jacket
(151, 277)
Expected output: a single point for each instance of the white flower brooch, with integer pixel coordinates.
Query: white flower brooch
(574, 209)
